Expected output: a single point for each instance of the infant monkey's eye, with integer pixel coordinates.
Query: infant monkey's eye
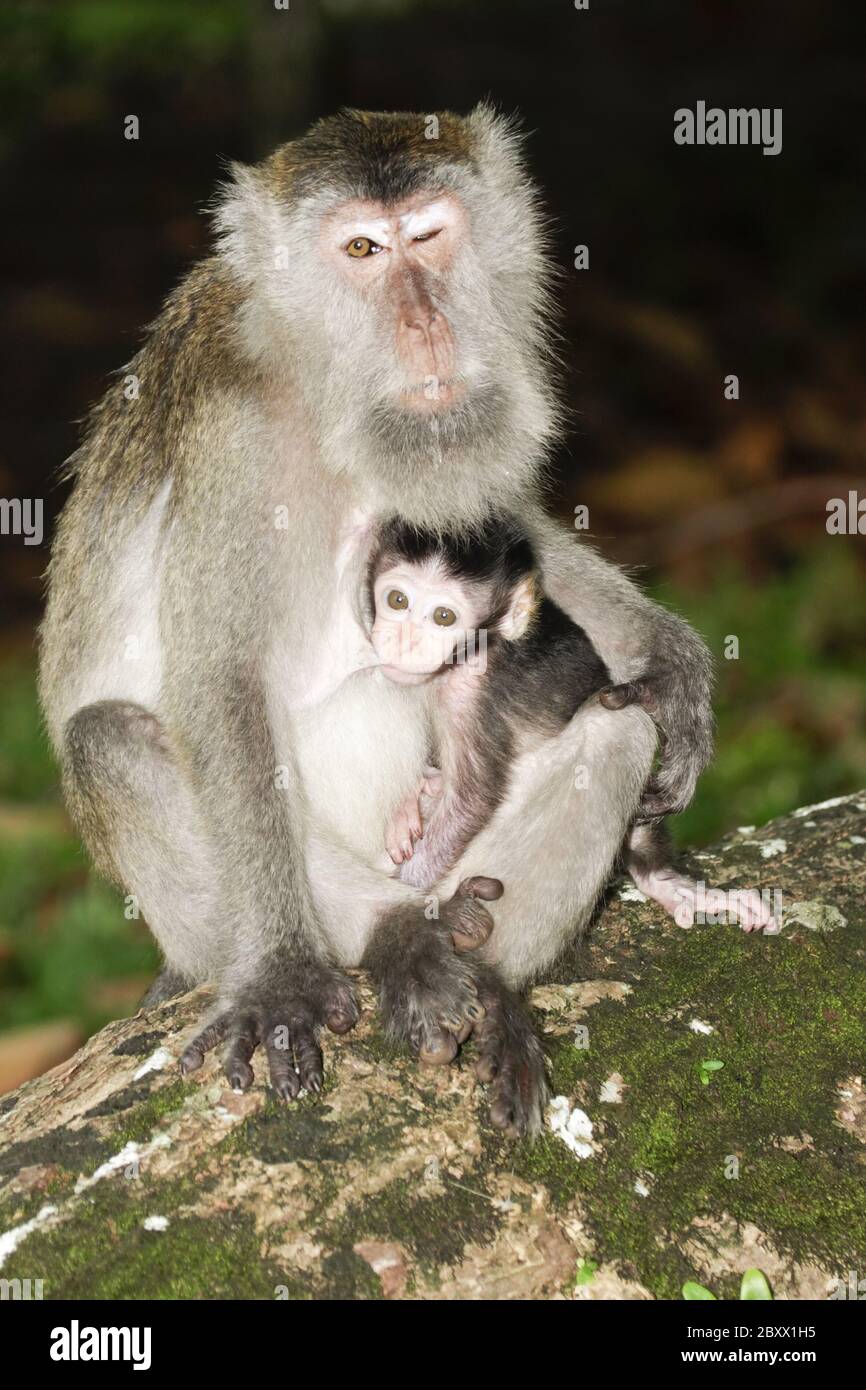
(397, 599)
(363, 246)
(444, 617)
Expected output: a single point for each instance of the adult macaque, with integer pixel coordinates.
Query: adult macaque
(371, 328)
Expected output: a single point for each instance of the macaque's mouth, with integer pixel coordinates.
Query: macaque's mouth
(401, 677)
(432, 393)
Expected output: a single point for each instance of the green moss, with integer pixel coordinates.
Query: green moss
(139, 1124)
(103, 1251)
(788, 1026)
(434, 1227)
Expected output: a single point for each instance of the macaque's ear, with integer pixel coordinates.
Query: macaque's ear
(521, 609)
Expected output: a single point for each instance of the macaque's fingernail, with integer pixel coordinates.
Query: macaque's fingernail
(191, 1060)
(475, 1011)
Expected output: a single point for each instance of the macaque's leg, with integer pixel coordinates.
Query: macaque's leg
(555, 839)
(351, 897)
(648, 859)
(552, 844)
(141, 824)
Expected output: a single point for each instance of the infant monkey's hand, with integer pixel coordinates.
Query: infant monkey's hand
(406, 825)
(403, 829)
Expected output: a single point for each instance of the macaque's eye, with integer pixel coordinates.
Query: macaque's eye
(363, 246)
(427, 236)
(444, 617)
(397, 599)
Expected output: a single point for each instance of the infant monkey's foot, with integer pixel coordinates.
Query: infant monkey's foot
(465, 915)
(686, 900)
(432, 782)
(403, 829)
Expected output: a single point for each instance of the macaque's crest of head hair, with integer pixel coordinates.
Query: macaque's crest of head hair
(312, 334)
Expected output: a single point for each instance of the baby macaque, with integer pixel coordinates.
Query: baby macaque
(467, 612)
(510, 669)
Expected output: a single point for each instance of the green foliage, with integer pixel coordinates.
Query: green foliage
(63, 934)
(791, 708)
(754, 1286)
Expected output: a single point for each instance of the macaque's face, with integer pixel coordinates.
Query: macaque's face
(399, 265)
(421, 617)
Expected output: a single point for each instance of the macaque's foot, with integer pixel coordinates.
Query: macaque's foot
(428, 995)
(465, 915)
(684, 900)
(286, 1020)
(511, 1060)
(403, 829)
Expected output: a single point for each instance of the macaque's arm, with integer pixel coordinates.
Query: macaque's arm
(655, 658)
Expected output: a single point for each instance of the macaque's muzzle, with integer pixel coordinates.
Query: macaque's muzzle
(413, 652)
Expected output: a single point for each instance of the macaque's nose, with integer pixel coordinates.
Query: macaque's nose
(420, 317)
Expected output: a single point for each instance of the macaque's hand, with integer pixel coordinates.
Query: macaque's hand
(684, 719)
(284, 1016)
(466, 917)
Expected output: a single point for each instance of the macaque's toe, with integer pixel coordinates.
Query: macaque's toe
(439, 1050)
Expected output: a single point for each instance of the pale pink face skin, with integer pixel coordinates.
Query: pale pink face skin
(411, 645)
(406, 247)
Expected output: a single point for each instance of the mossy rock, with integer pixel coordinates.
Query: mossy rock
(120, 1180)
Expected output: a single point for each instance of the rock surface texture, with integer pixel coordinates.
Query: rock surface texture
(118, 1179)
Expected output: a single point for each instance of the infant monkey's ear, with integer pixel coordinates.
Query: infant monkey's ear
(521, 610)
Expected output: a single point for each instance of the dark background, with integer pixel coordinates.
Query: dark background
(703, 262)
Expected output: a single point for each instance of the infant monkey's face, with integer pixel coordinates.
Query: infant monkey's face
(422, 618)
